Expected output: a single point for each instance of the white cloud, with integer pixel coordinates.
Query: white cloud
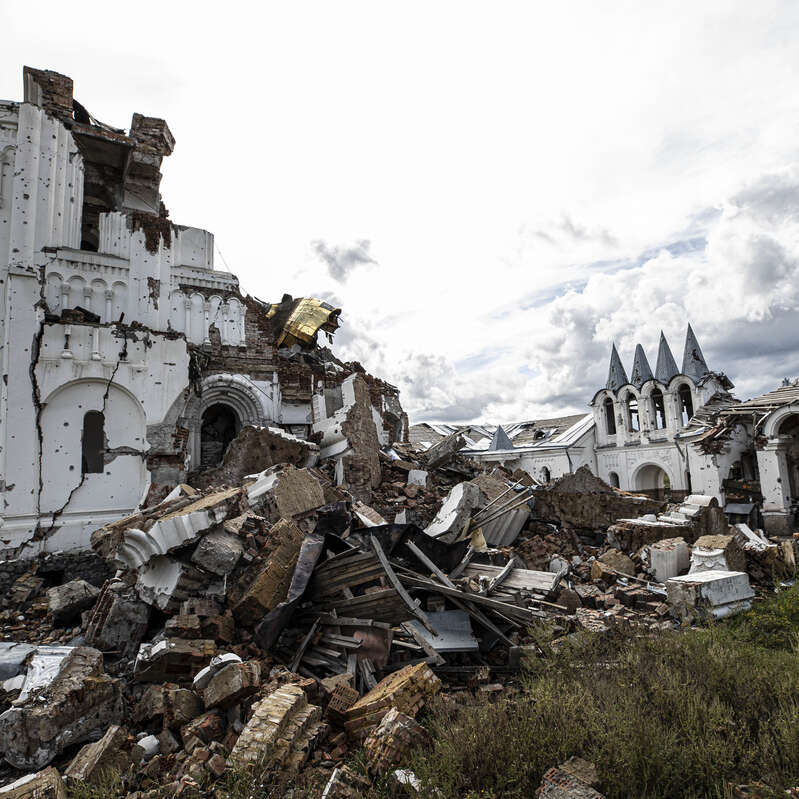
(536, 179)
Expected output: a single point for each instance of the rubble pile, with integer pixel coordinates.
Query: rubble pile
(276, 620)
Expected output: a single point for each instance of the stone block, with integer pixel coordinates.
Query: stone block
(418, 477)
(204, 729)
(717, 553)
(715, 593)
(406, 689)
(390, 742)
(618, 561)
(67, 601)
(175, 659)
(285, 493)
(119, 620)
(78, 705)
(45, 784)
(280, 731)
(112, 753)
(271, 583)
(230, 685)
(218, 552)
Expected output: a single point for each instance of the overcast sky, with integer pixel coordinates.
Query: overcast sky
(493, 192)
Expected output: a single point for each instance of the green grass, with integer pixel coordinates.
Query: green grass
(680, 714)
(677, 714)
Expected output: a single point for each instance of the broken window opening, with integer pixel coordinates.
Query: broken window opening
(610, 418)
(686, 403)
(93, 443)
(220, 425)
(613, 478)
(658, 409)
(545, 475)
(632, 413)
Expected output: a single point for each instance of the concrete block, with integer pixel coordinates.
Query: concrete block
(45, 784)
(669, 558)
(456, 512)
(218, 552)
(230, 685)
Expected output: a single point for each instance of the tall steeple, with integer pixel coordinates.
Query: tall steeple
(693, 362)
(641, 369)
(617, 377)
(500, 440)
(666, 366)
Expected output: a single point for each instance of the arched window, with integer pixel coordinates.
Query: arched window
(545, 475)
(614, 479)
(632, 413)
(658, 409)
(610, 418)
(93, 443)
(686, 403)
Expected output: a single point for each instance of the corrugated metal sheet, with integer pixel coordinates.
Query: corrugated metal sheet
(503, 531)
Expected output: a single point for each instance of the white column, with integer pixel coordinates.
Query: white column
(109, 298)
(207, 325)
(187, 326)
(774, 484)
(96, 344)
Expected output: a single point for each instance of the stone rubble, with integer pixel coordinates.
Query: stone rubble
(280, 623)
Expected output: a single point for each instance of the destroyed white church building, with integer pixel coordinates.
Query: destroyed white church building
(668, 433)
(128, 360)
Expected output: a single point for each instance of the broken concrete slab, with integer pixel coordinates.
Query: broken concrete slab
(218, 662)
(669, 558)
(285, 493)
(78, 705)
(715, 593)
(455, 513)
(131, 546)
(254, 450)
(67, 601)
(344, 783)
(165, 582)
(444, 451)
(42, 668)
(418, 477)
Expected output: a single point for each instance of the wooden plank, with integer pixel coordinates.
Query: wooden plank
(482, 601)
(458, 570)
(476, 614)
(394, 580)
(519, 579)
(496, 581)
(295, 663)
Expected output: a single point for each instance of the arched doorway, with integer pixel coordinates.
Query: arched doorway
(652, 480)
(613, 479)
(220, 425)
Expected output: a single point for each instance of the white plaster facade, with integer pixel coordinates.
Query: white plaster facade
(117, 334)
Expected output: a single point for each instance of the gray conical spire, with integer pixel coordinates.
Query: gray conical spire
(500, 440)
(666, 366)
(617, 377)
(693, 362)
(641, 369)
